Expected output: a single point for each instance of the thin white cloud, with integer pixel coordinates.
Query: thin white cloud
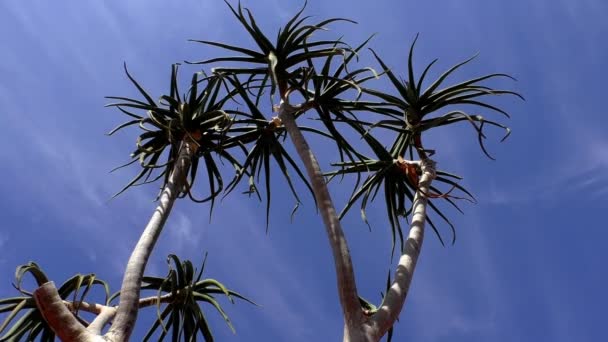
(583, 170)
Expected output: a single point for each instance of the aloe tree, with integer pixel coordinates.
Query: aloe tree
(178, 132)
(241, 111)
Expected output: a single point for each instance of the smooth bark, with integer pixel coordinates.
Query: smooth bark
(105, 315)
(347, 290)
(358, 327)
(395, 298)
(59, 317)
(49, 302)
(126, 314)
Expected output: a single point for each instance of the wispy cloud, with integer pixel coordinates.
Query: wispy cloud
(582, 170)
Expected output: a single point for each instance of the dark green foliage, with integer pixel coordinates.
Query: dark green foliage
(323, 72)
(182, 282)
(182, 317)
(31, 326)
(197, 115)
(277, 61)
(407, 115)
(221, 116)
(265, 138)
(408, 111)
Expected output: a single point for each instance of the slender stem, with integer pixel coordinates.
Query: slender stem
(58, 313)
(347, 288)
(94, 308)
(129, 293)
(393, 303)
(105, 315)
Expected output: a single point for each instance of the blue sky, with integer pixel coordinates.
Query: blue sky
(528, 264)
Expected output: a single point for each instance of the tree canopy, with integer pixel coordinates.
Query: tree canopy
(230, 123)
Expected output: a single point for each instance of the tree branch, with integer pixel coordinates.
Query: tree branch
(126, 314)
(105, 315)
(59, 318)
(94, 308)
(394, 300)
(347, 289)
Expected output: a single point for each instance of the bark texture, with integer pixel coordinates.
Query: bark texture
(126, 314)
(395, 298)
(347, 290)
(59, 318)
(49, 302)
(357, 326)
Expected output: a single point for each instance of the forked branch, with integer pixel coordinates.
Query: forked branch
(60, 319)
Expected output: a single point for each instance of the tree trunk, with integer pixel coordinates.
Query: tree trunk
(126, 314)
(63, 322)
(361, 333)
(357, 326)
(394, 300)
(347, 289)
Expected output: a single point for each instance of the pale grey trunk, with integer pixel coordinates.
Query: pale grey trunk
(358, 327)
(347, 289)
(103, 318)
(360, 333)
(393, 303)
(54, 309)
(126, 314)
